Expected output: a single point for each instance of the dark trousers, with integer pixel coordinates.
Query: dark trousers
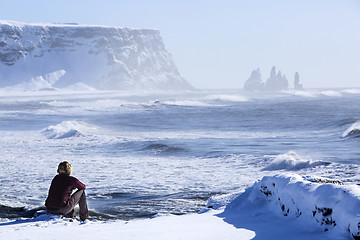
(78, 197)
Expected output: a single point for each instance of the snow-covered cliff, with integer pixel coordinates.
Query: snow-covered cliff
(60, 55)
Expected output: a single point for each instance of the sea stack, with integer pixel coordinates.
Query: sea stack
(297, 85)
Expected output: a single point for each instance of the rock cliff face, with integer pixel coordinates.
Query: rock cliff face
(100, 57)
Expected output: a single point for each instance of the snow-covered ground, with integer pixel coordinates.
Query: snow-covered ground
(276, 207)
(193, 226)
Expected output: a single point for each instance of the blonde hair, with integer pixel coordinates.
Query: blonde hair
(64, 168)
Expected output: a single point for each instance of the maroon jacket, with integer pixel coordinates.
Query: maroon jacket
(61, 189)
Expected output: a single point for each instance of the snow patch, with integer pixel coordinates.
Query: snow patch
(313, 206)
(190, 226)
(80, 86)
(38, 83)
(53, 77)
(220, 201)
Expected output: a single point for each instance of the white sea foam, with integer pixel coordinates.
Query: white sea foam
(316, 93)
(292, 162)
(188, 103)
(331, 93)
(353, 91)
(68, 129)
(353, 130)
(309, 94)
(227, 98)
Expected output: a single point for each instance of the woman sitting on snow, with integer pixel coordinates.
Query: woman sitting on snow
(60, 200)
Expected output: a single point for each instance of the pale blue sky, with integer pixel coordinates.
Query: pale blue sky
(216, 44)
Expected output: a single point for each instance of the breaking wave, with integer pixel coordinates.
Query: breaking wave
(68, 129)
(352, 91)
(353, 130)
(159, 148)
(307, 94)
(331, 93)
(292, 162)
(152, 147)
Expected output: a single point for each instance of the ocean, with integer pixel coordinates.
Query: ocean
(144, 154)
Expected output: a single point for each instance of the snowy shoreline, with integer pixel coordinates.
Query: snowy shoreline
(276, 207)
(163, 153)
